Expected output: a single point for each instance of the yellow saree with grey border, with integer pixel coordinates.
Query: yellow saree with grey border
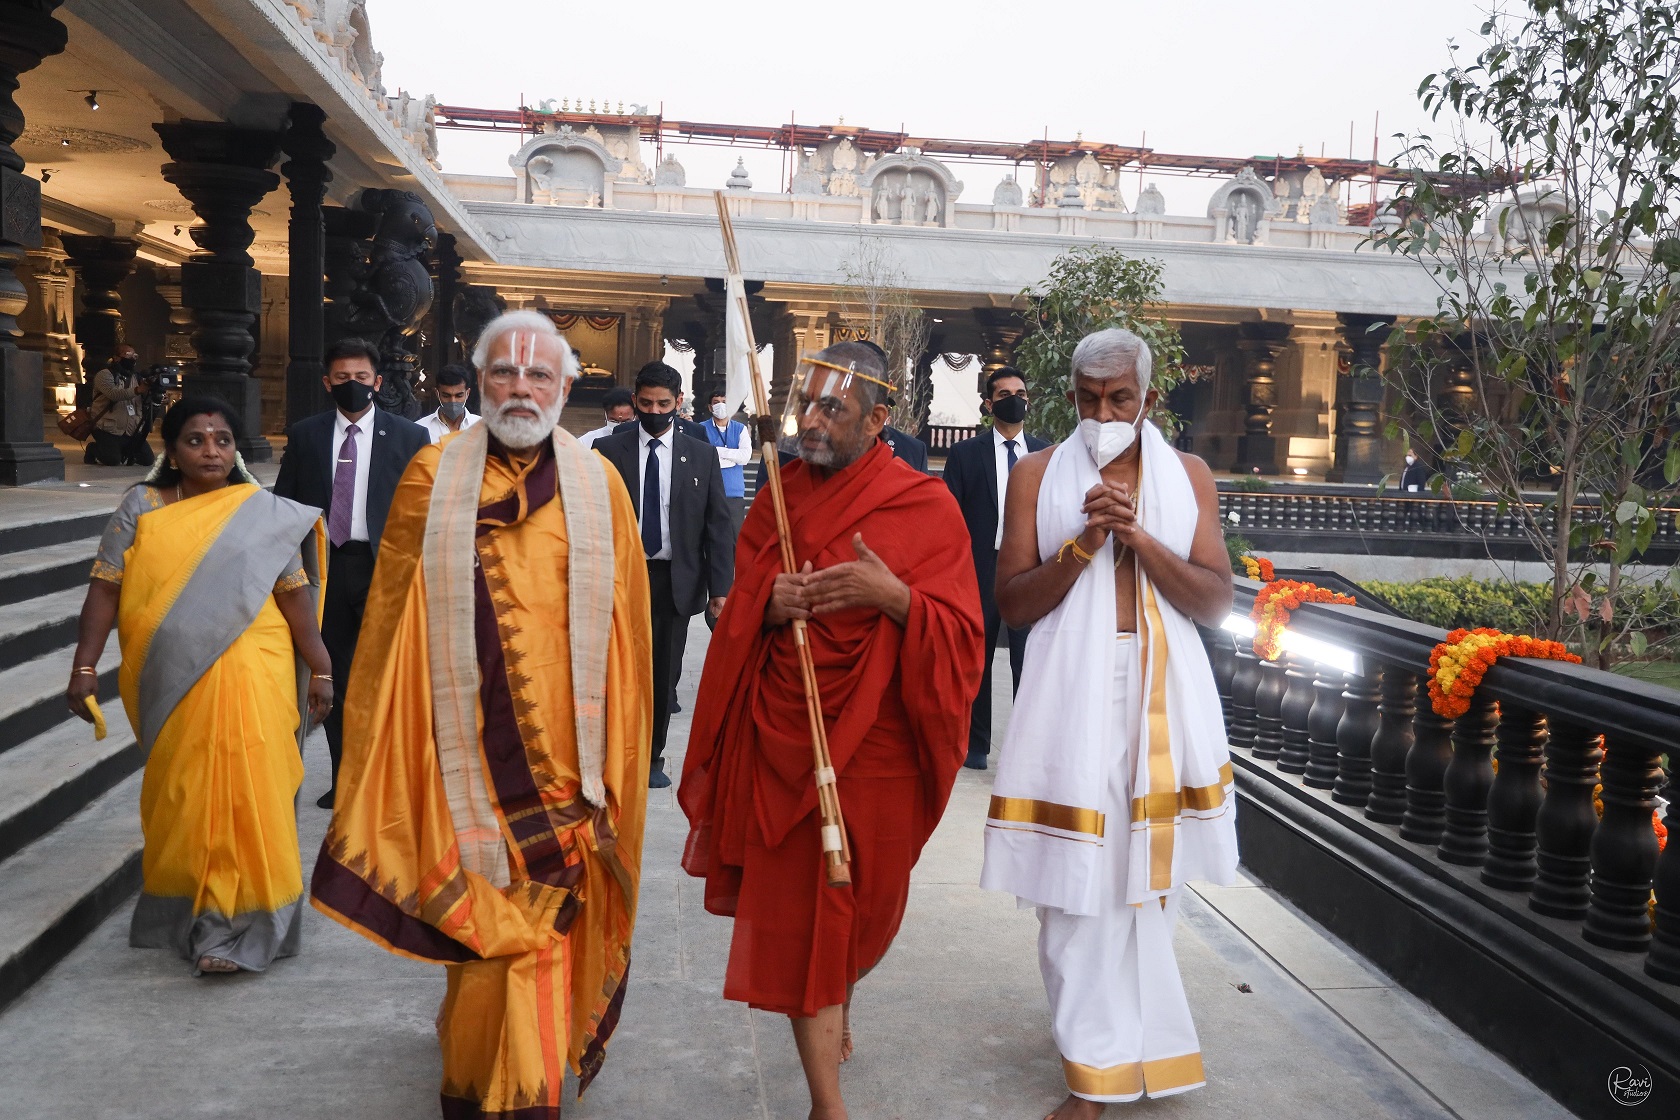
(494, 781)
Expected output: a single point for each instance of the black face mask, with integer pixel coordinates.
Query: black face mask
(1010, 410)
(352, 396)
(127, 365)
(655, 423)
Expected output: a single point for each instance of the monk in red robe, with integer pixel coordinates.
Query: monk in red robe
(893, 617)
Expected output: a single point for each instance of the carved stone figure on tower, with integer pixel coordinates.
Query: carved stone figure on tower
(907, 202)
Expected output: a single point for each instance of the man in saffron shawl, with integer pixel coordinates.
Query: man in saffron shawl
(893, 620)
(494, 782)
(1114, 785)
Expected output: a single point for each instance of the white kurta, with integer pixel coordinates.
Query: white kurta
(1117, 1006)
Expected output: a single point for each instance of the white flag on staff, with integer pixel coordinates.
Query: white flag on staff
(738, 374)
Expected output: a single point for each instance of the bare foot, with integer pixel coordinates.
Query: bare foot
(216, 964)
(1076, 1108)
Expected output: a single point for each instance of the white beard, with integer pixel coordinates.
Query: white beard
(521, 432)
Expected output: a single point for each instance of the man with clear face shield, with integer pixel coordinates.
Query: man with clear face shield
(1114, 783)
(494, 781)
(892, 618)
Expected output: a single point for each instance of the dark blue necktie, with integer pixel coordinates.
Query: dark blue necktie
(1009, 447)
(651, 540)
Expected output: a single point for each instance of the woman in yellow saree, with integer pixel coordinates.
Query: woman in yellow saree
(216, 606)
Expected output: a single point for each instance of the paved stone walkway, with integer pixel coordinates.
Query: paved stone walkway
(952, 1024)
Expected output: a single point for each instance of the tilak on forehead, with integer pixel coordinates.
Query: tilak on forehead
(522, 349)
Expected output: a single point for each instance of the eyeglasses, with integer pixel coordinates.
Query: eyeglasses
(507, 375)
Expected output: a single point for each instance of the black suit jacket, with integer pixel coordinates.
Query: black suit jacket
(306, 470)
(971, 473)
(702, 532)
(906, 447)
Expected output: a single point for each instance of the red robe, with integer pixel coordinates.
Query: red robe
(896, 701)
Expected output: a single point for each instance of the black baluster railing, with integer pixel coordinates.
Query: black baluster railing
(1222, 659)
(1513, 803)
(1239, 732)
(1358, 726)
(1426, 771)
(1268, 715)
(1296, 711)
(1567, 820)
(1624, 849)
(1390, 745)
(1468, 778)
(1321, 727)
(1663, 960)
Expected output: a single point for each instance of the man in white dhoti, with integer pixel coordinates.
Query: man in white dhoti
(1114, 784)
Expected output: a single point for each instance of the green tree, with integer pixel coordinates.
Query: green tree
(1547, 217)
(1089, 289)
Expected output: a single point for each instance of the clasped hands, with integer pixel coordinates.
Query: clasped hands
(864, 582)
(1110, 508)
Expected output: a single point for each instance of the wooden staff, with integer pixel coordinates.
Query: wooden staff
(837, 853)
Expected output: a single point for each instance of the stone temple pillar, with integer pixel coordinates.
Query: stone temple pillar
(101, 264)
(28, 33)
(307, 150)
(1260, 343)
(177, 339)
(1359, 397)
(223, 171)
(446, 282)
(641, 339)
(48, 320)
(1001, 332)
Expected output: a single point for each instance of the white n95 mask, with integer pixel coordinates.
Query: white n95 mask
(1107, 442)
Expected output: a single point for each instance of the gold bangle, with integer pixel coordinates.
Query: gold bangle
(321, 677)
(88, 669)
(1079, 553)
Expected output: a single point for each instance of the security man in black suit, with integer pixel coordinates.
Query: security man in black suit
(907, 447)
(977, 471)
(687, 534)
(347, 462)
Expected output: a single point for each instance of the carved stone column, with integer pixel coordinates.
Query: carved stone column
(223, 171)
(28, 33)
(1260, 343)
(1359, 397)
(50, 317)
(307, 175)
(795, 333)
(446, 281)
(644, 338)
(1001, 332)
(177, 341)
(102, 264)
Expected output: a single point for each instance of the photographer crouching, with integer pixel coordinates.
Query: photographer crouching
(126, 401)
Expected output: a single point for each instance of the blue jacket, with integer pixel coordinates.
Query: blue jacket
(734, 477)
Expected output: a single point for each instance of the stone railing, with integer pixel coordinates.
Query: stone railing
(1399, 524)
(1470, 836)
(1552, 731)
(940, 437)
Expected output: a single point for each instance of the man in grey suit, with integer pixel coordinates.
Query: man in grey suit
(687, 534)
(347, 462)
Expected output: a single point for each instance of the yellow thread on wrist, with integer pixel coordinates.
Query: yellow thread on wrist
(1079, 553)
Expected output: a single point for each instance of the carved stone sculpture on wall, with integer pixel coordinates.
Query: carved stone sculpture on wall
(561, 167)
(1151, 202)
(807, 180)
(670, 173)
(1241, 206)
(386, 294)
(1007, 193)
(475, 306)
(907, 202)
(910, 189)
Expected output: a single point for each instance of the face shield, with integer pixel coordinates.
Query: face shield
(825, 409)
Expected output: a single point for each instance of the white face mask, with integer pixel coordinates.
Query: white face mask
(1107, 442)
(720, 411)
(1410, 459)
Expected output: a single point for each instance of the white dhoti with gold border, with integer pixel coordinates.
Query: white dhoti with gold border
(1117, 1006)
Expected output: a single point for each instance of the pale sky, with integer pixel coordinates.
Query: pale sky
(1195, 77)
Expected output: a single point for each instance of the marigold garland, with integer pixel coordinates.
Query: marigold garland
(1272, 607)
(1258, 567)
(1457, 665)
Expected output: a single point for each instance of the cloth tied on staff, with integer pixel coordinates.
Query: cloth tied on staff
(1049, 813)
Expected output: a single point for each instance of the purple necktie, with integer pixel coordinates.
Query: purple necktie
(344, 489)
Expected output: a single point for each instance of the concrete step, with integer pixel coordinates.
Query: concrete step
(32, 694)
(38, 626)
(41, 532)
(41, 571)
(54, 776)
(57, 890)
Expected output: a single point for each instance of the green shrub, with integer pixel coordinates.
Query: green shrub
(1236, 547)
(1516, 608)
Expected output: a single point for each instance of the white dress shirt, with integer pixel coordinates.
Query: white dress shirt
(437, 427)
(663, 456)
(588, 438)
(1001, 455)
(364, 459)
(733, 456)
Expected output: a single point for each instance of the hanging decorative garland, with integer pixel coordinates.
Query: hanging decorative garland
(1457, 665)
(1258, 567)
(1273, 605)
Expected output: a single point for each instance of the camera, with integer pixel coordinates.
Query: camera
(163, 379)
